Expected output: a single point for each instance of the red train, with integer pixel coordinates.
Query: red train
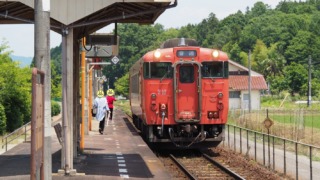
(179, 94)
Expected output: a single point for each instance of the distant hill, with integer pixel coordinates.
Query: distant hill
(24, 61)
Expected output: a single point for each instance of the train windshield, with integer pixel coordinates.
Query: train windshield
(157, 70)
(186, 74)
(214, 69)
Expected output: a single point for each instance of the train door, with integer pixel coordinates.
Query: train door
(187, 94)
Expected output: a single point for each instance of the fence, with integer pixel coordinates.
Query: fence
(301, 125)
(16, 135)
(282, 155)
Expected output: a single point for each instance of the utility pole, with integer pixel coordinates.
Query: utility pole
(42, 61)
(249, 80)
(309, 81)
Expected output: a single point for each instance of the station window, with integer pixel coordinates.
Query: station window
(157, 70)
(214, 70)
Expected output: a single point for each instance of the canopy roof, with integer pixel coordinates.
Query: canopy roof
(85, 16)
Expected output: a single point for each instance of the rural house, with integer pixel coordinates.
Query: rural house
(239, 87)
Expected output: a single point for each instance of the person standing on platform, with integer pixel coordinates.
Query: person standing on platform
(110, 99)
(100, 103)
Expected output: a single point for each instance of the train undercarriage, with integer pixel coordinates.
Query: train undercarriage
(181, 135)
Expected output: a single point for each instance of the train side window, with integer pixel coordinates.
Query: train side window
(214, 69)
(157, 70)
(186, 74)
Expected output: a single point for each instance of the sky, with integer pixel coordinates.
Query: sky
(20, 38)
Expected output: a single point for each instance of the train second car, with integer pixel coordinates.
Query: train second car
(179, 94)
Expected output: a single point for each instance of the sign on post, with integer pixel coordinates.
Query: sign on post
(102, 45)
(115, 60)
(99, 52)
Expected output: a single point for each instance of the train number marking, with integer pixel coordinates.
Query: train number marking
(162, 92)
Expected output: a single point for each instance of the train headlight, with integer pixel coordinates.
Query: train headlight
(215, 53)
(153, 96)
(220, 95)
(157, 54)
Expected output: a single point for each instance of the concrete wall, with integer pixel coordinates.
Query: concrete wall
(241, 103)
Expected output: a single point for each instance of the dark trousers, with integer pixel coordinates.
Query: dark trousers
(101, 124)
(111, 112)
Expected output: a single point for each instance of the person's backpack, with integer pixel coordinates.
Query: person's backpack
(94, 112)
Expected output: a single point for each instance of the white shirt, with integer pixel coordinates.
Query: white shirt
(102, 106)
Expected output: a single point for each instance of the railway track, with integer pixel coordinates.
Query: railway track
(203, 165)
(200, 166)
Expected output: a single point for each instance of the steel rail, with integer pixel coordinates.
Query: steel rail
(227, 170)
(183, 168)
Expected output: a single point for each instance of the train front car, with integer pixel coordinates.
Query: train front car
(179, 94)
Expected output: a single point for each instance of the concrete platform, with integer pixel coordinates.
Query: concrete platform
(120, 153)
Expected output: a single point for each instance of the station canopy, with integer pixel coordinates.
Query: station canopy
(85, 16)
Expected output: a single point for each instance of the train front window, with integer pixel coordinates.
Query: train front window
(214, 69)
(186, 74)
(157, 70)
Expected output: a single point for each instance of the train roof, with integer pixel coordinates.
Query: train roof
(167, 50)
(168, 54)
(177, 42)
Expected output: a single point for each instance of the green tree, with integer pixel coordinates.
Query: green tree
(301, 46)
(294, 7)
(135, 41)
(277, 84)
(55, 83)
(234, 52)
(274, 63)
(122, 85)
(15, 91)
(315, 88)
(55, 54)
(188, 31)
(315, 23)
(3, 120)
(259, 54)
(204, 31)
(16, 94)
(258, 9)
(4, 53)
(296, 76)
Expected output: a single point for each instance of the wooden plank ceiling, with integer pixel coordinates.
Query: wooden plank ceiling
(133, 12)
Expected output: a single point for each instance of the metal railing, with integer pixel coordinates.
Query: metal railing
(288, 157)
(22, 131)
(296, 124)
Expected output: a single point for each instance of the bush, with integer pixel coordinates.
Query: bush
(3, 120)
(55, 108)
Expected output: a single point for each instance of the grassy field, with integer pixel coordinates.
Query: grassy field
(124, 105)
(309, 120)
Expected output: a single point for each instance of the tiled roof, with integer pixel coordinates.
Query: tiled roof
(241, 83)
